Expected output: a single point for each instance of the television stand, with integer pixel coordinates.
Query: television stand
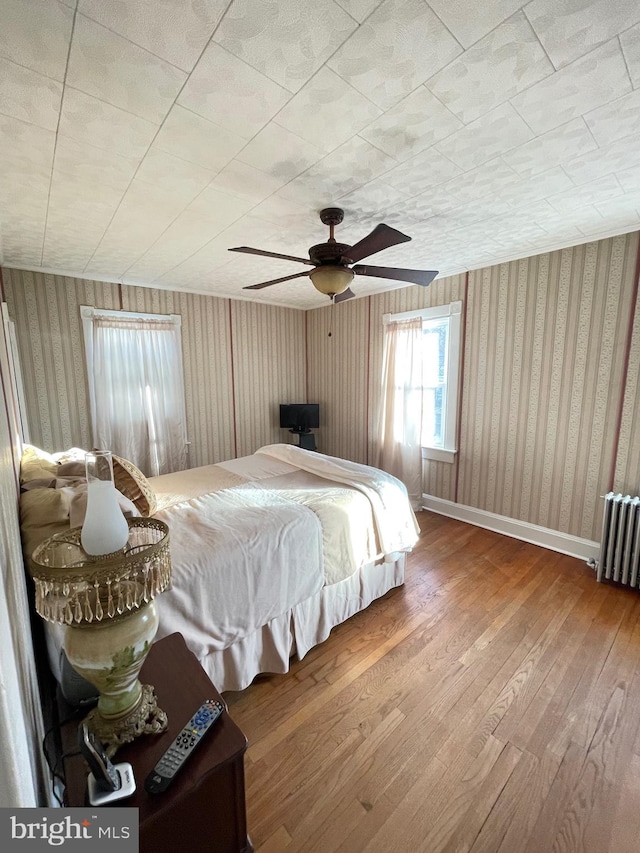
(306, 440)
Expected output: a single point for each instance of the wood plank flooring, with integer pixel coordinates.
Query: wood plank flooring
(491, 705)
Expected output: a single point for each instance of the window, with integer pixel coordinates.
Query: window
(436, 380)
(136, 387)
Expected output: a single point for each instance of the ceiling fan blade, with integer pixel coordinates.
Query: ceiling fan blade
(248, 251)
(346, 294)
(423, 277)
(274, 281)
(382, 237)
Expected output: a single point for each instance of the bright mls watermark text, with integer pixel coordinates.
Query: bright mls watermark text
(99, 829)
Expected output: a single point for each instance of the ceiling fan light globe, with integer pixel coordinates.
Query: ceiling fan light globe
(331, 280)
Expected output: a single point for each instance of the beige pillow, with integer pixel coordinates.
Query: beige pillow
(43, 513)
(132, 483)
(36, 464)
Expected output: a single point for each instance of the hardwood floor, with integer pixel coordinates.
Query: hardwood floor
(491, 705)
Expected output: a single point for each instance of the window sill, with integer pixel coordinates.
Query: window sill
(439, 454)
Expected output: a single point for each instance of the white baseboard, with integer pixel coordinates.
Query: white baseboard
(574, 546)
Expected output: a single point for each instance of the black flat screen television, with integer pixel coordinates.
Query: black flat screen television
(299, 417)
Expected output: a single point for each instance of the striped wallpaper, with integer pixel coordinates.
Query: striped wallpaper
(551, 368)
(240, 360)
(543, 382)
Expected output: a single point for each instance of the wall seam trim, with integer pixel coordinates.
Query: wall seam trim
(461, 391)
(233, 384)
(625, 368)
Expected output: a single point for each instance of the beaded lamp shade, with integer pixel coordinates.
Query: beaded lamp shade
(74, 588)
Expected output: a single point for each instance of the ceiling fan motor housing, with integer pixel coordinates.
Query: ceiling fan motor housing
(328, 253)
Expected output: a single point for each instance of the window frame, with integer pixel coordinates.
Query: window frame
(452, 311)
(87, 315)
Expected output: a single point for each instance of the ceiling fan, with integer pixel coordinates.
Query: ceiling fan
(335, 264)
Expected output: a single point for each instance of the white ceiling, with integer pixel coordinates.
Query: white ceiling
(141, 139)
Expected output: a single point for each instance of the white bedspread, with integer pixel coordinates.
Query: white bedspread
(241, 557)
(396, 523)
(348, 530)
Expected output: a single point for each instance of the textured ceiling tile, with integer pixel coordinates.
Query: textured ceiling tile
(372, 199)
(502, 229)
(25, 194)
(149, 200)
(548, 218)
(495, 69)
(29, 96)
(140, 197)
(60, 255)
(77, 161)
(102, 125)
(73, 234)
(284, 211)
(582, 86)
(416, 123)
(206, 217)
(115, 70)
(137, 224)
(353, 164)
(613, 158)
(536, 187)
(489, 180)
(36, 34)
(622, 210)
(181, 239)
(470, 21)
(399, 46)
(23, 252)
(76, 207)
(552, 148)
(629, 180)
(359, 9)
(599, 190)
(572, 28)
(327, 111)
(284, 39)
(495, 133)
(616, 120)
(173, 175)
(425, 170)
(590, 220)
(244, 181)
(175, 30)
(25, 149)
(219, 208)
(193, 138)
(630, 43)
(280, 153)
(231, 93)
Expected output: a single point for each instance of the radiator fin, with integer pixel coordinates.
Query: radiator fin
(619, 559)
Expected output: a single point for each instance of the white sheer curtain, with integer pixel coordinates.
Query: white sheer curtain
(136, 385)
(399, 446)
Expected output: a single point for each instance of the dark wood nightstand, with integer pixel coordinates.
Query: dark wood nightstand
(204, 808)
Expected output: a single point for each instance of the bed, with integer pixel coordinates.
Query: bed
(269, 551)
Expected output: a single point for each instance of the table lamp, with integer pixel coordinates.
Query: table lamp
(106, 601)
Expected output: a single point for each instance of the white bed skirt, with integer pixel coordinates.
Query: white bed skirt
(269, 649)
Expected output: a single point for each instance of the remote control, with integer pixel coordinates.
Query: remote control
(186, 741)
